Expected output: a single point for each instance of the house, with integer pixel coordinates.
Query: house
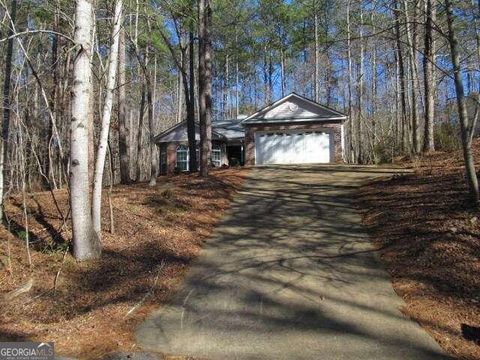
(292, 130)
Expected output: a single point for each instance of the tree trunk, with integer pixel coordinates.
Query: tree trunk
(151, 125)
(140, 135)
(317, 55)
(123, 130)
(91, 117)
(180, 101)
(106, 116)
(477, 28)
(49, 165)
(192, 144)
(227, 107)
(429, 76)
(4, 169)
(413, 76)
(351, 126)
(401, 74)
(461, 104)
(282, 71)
(360, 82)
(205, 85)
(86, 244)
(237, 89)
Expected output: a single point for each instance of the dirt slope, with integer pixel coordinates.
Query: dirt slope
(430, 236)
(158, 232)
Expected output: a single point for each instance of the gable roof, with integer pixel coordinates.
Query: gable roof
(178, 133)
(292, 108)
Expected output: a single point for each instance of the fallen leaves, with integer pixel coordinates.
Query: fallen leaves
(85, 316)
(430, 237)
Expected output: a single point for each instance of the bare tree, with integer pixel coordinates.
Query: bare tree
(191, 127)
(106, 116)
(205, 84)
(122, 115)
(401, 77)
(461, 104)
(86, 244)
(316, 53)
(429, 75)
(412, 66)
(6, 107)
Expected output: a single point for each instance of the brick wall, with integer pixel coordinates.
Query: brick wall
(172, 154)
(332, 127)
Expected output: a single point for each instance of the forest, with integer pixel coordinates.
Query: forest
(88, 84)
(396, 67)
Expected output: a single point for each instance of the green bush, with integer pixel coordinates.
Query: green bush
(384, 151)
(447, 137)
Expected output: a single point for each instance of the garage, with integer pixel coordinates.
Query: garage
(294, 130)
(292, 147)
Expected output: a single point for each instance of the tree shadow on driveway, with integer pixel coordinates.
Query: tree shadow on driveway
(290, 274)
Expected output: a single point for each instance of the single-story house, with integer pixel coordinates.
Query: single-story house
(292, 130)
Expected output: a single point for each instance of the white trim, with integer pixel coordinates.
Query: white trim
(329, 131)
(217, 149)
(278, 102)
(185, 149)
(290, 120)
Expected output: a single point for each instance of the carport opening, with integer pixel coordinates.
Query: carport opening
(235, 154)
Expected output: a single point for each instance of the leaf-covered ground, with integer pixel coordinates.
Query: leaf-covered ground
(430, 239)
(97, 305)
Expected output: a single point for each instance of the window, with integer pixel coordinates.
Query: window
(182, 158)
(216, 156)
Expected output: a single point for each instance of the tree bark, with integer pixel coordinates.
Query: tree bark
(429, 76)
(461, 104)
(401, 75)
(317, 55)
(205, 85)
(86, 244)
(153, 147)
(412, 58)
(4, 169)
(192, 143)
(106, 116)
(140, 135)
(49, 164)
(91, 116)
(123, 130)
(360, 85)
(351, 126)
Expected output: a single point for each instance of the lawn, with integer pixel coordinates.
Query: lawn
(97, 305)
(430, 240)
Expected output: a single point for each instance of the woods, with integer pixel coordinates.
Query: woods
(274, 139)
(89, 80)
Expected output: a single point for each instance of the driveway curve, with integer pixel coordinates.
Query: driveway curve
(290, 274)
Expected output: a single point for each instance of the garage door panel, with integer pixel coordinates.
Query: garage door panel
(302, 147)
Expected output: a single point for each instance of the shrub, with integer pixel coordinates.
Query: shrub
(384, 151)
(447, 137)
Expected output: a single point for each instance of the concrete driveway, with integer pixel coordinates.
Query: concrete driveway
(290, 274)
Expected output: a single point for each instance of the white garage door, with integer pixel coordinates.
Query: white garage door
(302, 147)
